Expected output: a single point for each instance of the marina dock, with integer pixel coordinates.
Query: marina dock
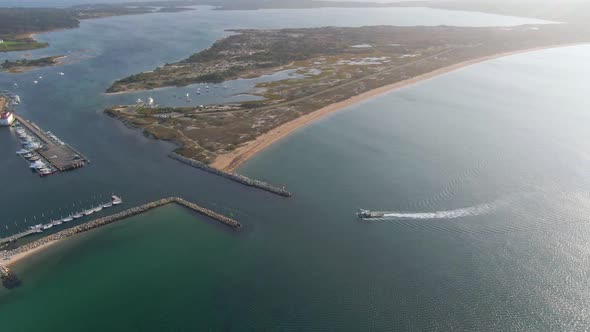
(20, 235)
(39, 228)
(61, 156)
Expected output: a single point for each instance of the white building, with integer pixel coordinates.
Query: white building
(6, 118)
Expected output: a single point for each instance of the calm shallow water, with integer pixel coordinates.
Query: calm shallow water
(496, 143)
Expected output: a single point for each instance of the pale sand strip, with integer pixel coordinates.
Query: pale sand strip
(229, 162)
(14, 259)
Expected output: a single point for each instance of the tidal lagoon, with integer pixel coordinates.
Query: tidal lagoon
(486, 167)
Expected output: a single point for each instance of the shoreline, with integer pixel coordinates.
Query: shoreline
(230, 162)
(10, 261)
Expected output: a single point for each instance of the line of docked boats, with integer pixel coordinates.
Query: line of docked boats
(30, 145)
(115, 200)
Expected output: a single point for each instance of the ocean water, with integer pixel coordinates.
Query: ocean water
(482, 171)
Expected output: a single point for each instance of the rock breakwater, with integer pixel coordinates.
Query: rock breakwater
(9, 279)
(232, 176)
(116, 217)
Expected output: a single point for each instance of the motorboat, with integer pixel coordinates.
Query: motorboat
(116, 200)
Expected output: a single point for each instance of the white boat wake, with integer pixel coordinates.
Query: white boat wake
(451, 214)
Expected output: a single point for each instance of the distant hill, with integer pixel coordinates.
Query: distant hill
(14, 21)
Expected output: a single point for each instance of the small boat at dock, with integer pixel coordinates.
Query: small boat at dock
(68, 219)
(36, 227)
(89, 212)
(78, 215)
(107, 205)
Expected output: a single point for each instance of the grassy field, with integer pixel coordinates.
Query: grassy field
(20, 45)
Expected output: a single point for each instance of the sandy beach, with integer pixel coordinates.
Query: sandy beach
(230, 162)
(14, 259)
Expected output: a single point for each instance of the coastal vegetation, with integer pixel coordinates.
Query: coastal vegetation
(19, 66)
(325, 66)
(21, 44)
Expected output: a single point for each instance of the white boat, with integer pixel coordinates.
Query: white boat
(36, 227)
(35, 82)
(23, 151)
(67, 219)
(116, 200)
(107, 205)
(38, 165)
(45, 172)
(98, 209)
(78, 215)
(88, 212)
(61, 73)
(48, 226)
(57, 222)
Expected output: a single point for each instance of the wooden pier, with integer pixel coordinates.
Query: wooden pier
(61, 156)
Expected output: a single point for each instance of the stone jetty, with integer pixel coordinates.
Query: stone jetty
(232, 176)
(9, 279)
(116, 217)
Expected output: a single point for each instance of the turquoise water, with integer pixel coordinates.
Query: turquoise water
(484, 168)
